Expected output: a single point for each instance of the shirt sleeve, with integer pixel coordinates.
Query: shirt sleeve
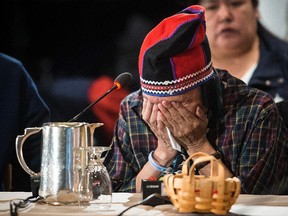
(119, 160)
(263, 160)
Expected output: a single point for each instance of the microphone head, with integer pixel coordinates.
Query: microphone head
(122, 80)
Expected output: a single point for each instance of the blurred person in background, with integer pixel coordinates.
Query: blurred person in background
(243, 46)
(21, 107)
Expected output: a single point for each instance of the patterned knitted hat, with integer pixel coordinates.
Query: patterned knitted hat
(175, 56)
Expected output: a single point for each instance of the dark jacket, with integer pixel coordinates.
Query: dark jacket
(21, 107)
(271, 74)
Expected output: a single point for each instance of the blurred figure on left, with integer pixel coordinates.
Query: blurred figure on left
(21, 107)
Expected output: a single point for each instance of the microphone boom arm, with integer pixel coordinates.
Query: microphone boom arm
(92, 104)
(120, 81)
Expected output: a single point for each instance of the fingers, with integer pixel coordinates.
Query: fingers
(177, 117)
(187, 124)
(201, 114)
(150, 114)
(165, 116)
(145, 110)
(204, 118)
(183, 121)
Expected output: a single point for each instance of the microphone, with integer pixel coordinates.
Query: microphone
(121, 81)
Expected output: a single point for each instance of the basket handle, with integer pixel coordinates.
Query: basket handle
(190, 158)
(203, 157)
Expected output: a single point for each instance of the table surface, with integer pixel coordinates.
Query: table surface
(245, 205)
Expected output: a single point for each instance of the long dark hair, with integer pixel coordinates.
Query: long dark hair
(212, 95)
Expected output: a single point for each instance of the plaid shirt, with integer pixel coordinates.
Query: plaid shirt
(248, 132)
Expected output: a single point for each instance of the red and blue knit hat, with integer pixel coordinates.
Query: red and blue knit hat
(175, 56)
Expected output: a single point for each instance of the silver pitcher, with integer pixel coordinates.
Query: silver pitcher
(63, 175)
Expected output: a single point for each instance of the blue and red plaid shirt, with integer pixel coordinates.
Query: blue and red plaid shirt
(248, 132)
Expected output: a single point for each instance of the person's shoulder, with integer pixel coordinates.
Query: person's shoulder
(9, 60)
(230, 81)
(133, 96)
(11, 67)
(272, 41)
(235, 91)
(133, 99)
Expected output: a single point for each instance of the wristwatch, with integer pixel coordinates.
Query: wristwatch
(199, 166)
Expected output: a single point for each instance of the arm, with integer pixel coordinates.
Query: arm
(163, 154)
(33, 112)
(119, 159)
(262, 166)
(132, 142)
(189, 130)
(162, 158)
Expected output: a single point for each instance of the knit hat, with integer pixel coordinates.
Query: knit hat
(175, 56)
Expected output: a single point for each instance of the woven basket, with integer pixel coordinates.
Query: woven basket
(196, 193)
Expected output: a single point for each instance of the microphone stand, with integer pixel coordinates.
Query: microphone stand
(92, 104)
(119, 82)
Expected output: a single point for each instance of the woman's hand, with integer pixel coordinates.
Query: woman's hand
(188, 128)
(164, 153)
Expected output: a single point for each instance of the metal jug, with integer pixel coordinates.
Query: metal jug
(63, 175)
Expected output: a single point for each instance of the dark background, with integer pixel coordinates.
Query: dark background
(69, 38)
(65, 45)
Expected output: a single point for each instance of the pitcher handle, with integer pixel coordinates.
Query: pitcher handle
(19, 146)
(92, 127)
